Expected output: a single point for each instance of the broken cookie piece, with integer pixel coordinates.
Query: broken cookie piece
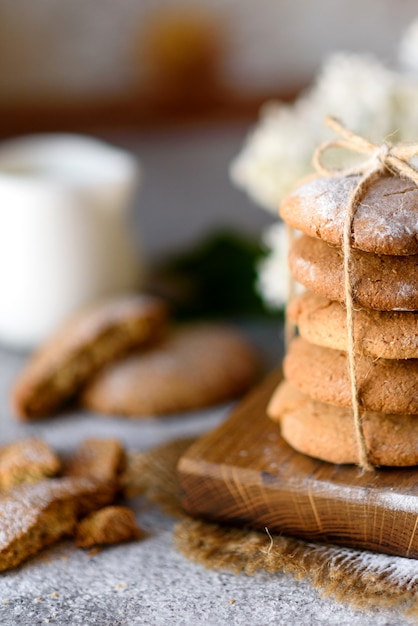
(26, 461)
(33, 517)
(99, 459)
(112, 524)
(82, 347)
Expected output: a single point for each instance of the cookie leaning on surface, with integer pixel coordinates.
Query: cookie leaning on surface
(326, 432)
(383, 283)
(379, 334)
(82, 347)
(192, 367)
(385, 385)
(386, 220)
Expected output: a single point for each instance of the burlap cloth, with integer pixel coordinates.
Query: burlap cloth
(359, 578)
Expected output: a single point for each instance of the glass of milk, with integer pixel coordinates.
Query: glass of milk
(64, 236)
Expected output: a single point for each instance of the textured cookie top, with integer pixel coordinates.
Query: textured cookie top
(386, 221)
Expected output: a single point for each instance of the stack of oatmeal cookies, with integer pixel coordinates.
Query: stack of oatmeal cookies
(314, 405)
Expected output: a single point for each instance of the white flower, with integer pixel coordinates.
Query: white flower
(355, 88)
(359, 91)
(406, 118)
(408, 48)
(273, 270)
(277, 153)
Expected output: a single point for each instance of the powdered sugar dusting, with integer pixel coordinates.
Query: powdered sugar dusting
(328, 196)
(398, 572)
(21, 508)
(386, 221)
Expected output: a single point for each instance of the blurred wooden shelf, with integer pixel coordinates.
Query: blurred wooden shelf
(135, 111)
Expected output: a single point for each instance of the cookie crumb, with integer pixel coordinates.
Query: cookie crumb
(231, 601)
(54, 594)
(119, 586)
(38, 598)
(5, 602)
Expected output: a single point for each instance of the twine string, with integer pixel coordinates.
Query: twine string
(385, 157)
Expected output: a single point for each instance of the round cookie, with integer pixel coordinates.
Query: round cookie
(384, 283)
(379, 334)
(84, 344)
(191, 367)
(385, 385)
(327, 432)
(386, 221)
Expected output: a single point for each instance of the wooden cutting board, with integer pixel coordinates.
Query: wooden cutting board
(243, 473)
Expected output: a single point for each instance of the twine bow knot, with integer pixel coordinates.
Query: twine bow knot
(386, 157)
(393, 158)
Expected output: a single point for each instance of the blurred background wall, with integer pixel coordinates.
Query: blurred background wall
(84, 63)
(178, 83)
